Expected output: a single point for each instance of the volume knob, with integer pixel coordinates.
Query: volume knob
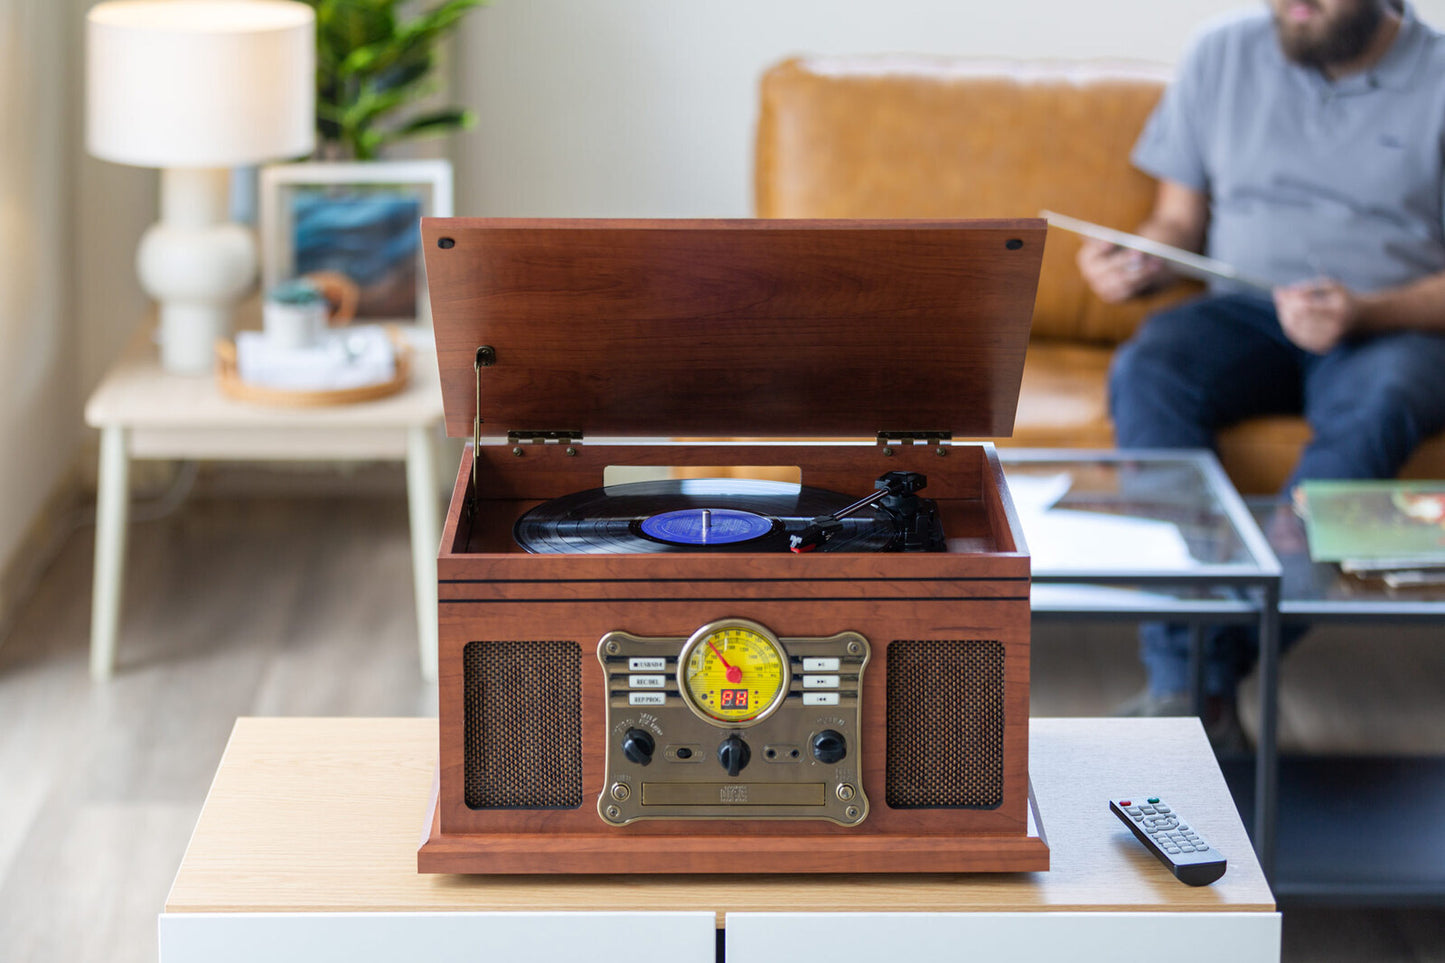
(734, 754)
(829, 746)
(638, 745)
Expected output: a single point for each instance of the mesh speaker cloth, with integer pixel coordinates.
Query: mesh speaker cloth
(523, 722)
(945, 725)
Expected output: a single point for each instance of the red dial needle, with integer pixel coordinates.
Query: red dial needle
(735, 675)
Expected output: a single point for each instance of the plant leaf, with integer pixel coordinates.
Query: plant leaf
(435, 122)
(418, 34)
(372, 62)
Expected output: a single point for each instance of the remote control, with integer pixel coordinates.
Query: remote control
(1165, 834)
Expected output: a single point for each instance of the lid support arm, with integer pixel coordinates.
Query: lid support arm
(486, 357)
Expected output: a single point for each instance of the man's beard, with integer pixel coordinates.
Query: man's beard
(1344, 39)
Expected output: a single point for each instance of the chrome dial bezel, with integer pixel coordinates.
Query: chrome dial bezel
(700, 637)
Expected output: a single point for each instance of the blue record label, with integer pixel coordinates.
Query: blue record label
(706, 526)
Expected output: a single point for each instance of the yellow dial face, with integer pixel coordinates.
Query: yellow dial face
(733, 673)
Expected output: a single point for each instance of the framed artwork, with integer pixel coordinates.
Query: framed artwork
(354, 228)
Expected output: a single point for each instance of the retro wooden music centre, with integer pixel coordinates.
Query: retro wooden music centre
(700, 684)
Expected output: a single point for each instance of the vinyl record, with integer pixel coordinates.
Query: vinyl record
(695, 515)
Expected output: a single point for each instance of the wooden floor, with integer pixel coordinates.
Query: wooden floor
(303, 606)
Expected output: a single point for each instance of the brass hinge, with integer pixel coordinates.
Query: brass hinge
(549, 436)
(914, 437)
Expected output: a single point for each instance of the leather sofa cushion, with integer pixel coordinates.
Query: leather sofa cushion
(919, 137)
(1062, 401)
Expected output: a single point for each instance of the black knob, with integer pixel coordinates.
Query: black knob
(829, 746)
(638, 745)
(734, 754)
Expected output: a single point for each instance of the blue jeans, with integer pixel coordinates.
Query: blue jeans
(1204, 365)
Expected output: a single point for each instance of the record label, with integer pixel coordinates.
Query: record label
(706, 526)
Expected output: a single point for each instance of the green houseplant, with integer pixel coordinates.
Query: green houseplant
(374, 64)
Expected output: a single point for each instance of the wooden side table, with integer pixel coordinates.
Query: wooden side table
(145, 412)
(306, 849)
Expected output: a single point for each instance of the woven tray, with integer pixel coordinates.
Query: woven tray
(230, 382)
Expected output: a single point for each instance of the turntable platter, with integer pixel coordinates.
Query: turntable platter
(696, 515)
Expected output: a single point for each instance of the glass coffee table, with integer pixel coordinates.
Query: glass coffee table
(1342, 841)
(1154, 535)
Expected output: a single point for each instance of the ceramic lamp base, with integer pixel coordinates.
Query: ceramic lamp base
(197, 265)
(188, 336)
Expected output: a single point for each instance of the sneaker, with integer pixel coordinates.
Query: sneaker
(1222, 726)
(1148, 704)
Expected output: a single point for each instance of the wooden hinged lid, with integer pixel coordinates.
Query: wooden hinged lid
(733, 328)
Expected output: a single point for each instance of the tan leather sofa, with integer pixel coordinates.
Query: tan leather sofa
(914, 137)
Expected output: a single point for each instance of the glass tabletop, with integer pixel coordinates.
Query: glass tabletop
(1320, 589)
(1134, 517)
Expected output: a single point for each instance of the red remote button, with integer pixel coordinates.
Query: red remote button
(1125, 802)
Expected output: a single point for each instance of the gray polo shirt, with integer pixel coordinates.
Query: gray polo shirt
(1307, 176)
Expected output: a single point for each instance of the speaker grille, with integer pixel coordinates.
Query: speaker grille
(523, 725)
(945, 725)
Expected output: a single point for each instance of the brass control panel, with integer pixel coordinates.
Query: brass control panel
(733, 722)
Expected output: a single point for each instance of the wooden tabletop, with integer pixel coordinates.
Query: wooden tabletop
(325, 815)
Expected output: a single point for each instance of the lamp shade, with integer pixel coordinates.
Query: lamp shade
(200, 83)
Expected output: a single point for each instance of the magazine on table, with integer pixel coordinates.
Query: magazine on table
(1372, 528)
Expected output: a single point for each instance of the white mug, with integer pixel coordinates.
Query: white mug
(293, 325)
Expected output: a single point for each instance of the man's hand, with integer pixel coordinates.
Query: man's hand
(1317, 315)
(1118, 274)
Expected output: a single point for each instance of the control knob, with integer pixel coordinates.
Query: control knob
(638, 745)
(734, 754)
(829, 746)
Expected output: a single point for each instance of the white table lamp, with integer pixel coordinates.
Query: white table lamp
(196, 87)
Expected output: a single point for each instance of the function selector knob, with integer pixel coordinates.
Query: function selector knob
(829, 746)
(638, 745)
(734, 754)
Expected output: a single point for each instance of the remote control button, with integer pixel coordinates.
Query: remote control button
(1152, 799)
(1147, 810)
(1161, 809)
(1125, 803)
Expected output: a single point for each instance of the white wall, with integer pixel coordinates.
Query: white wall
(645, 108)
(38, 419)
(68, 231)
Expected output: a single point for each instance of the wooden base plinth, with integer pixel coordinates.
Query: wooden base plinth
(548, 853)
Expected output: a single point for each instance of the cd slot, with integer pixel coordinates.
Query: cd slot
(733, 794)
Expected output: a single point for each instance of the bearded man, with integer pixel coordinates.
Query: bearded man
(1304, 145)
